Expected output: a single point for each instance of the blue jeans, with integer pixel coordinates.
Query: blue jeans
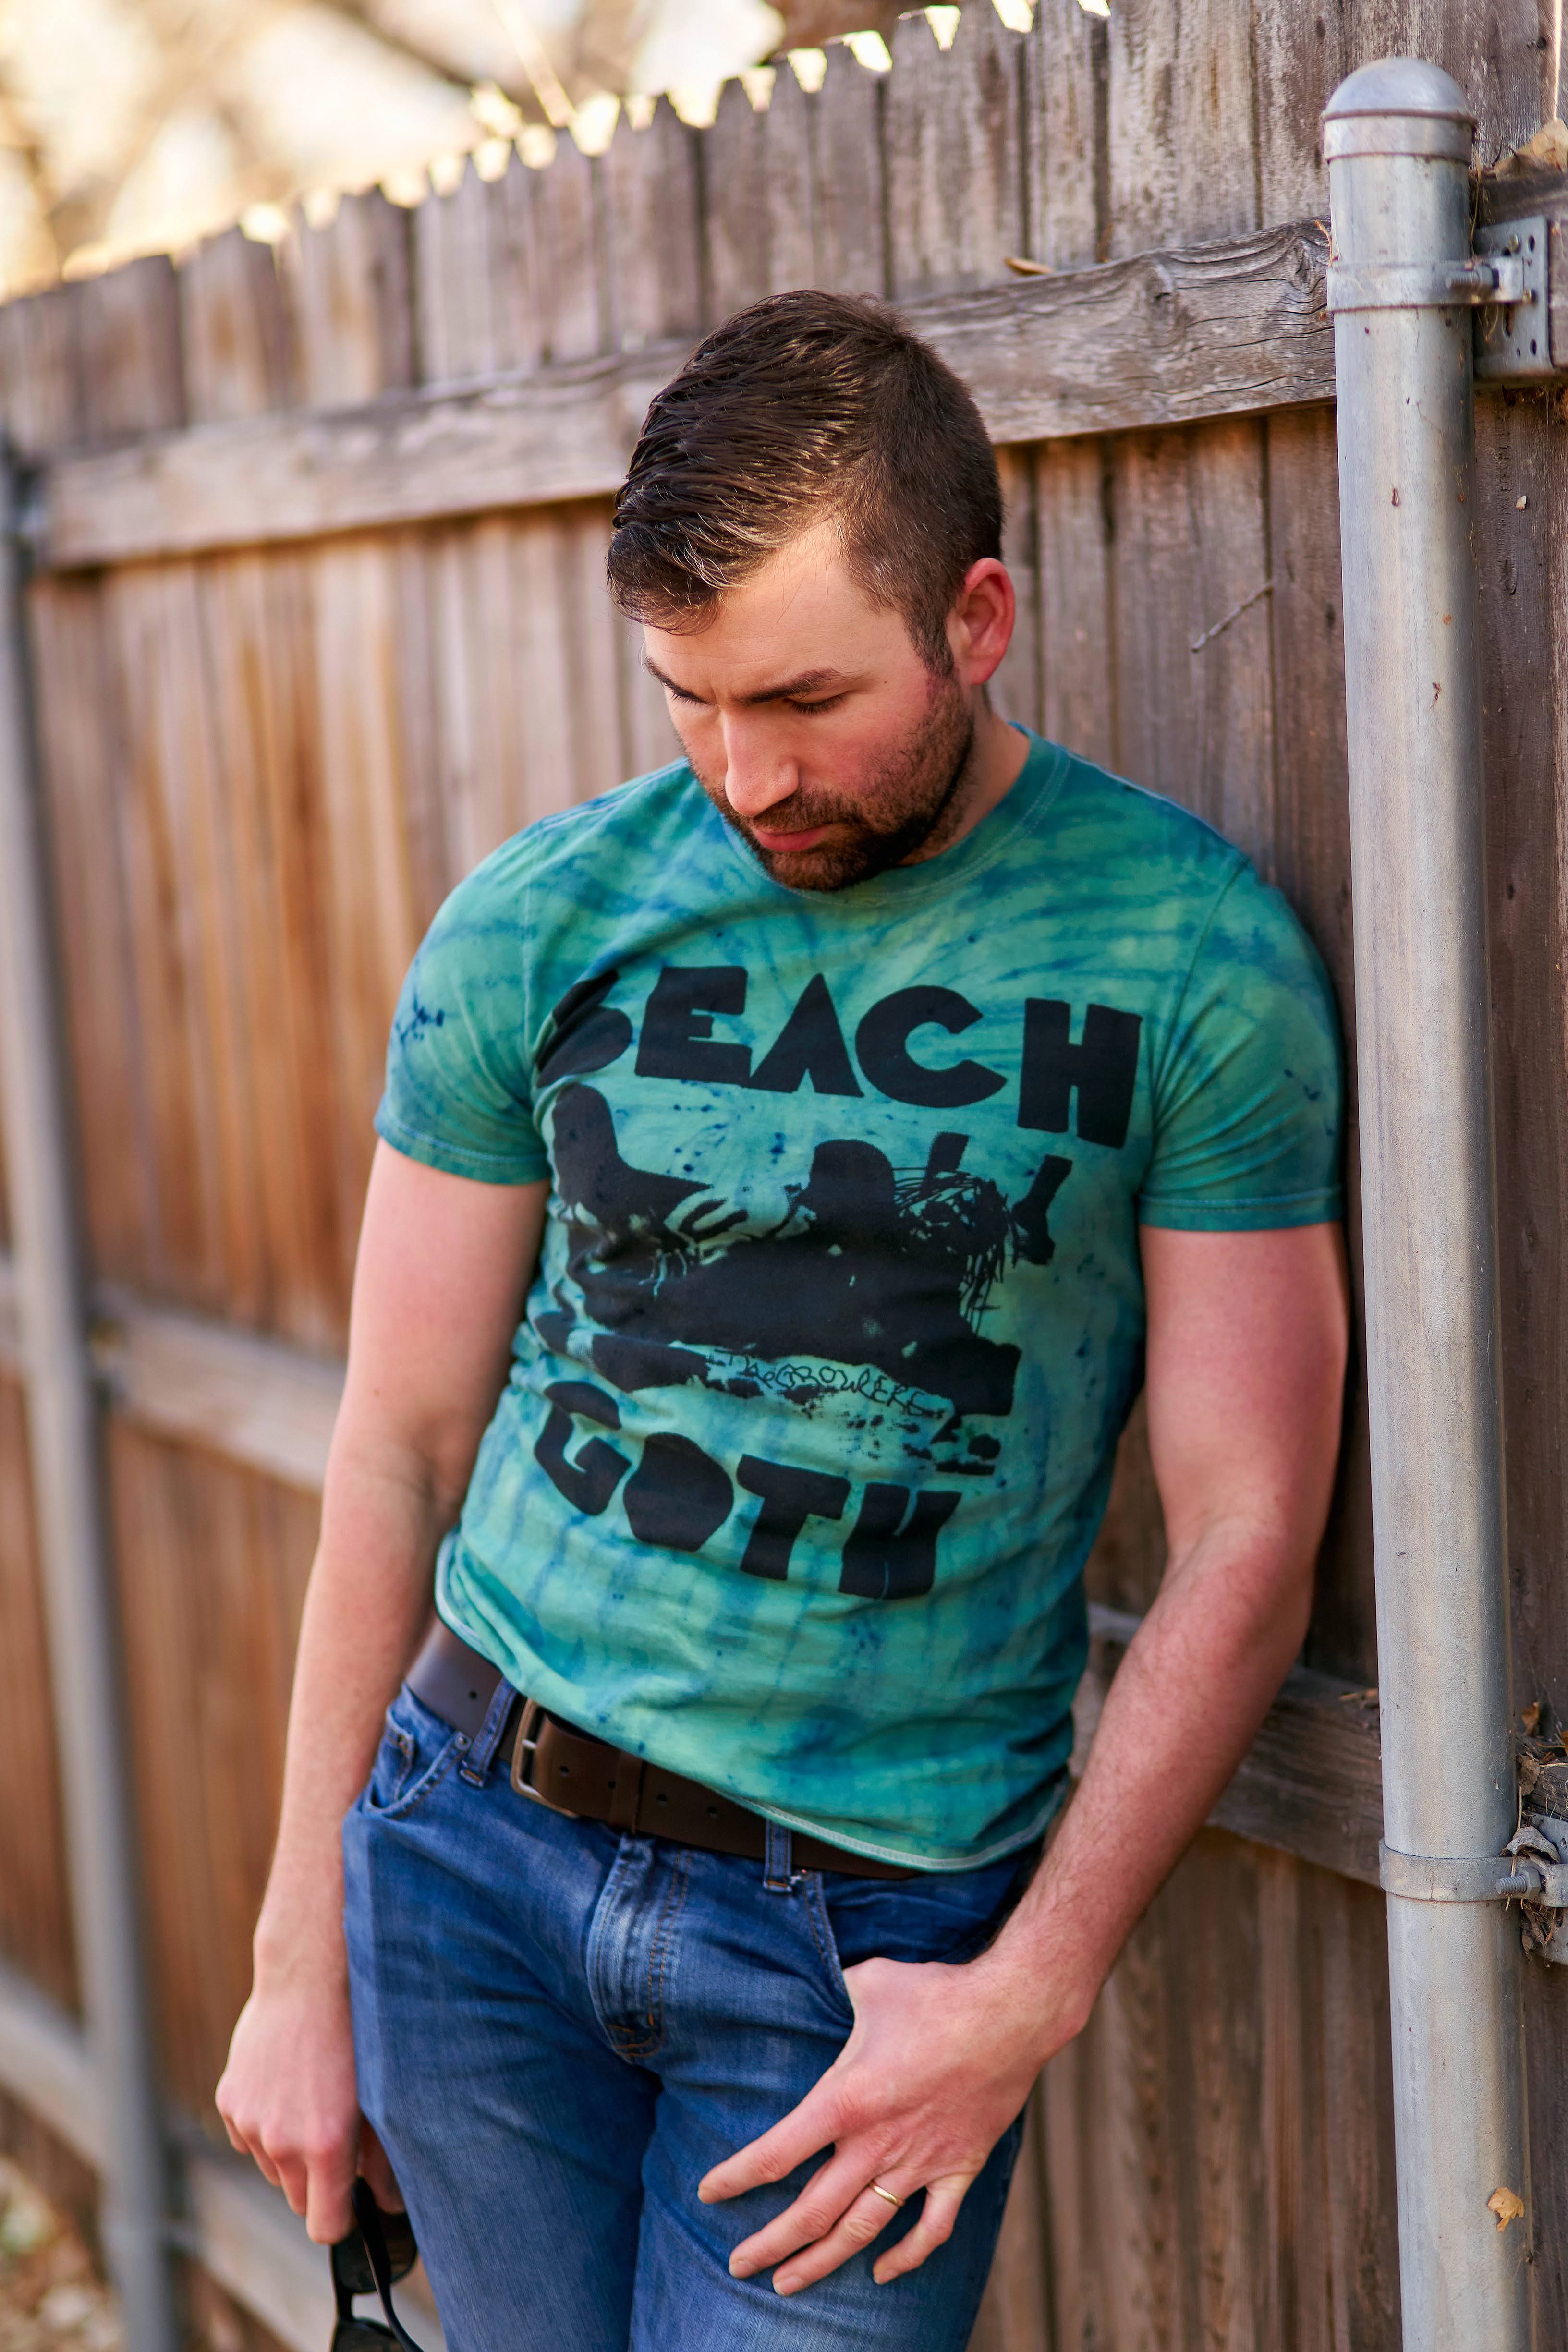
(560, 2029)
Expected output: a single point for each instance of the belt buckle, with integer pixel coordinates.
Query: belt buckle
(526, 1743)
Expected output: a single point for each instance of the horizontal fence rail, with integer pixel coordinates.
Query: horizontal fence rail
(1230, 329)
(1233, 328)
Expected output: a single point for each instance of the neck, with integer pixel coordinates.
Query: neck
(992, 766)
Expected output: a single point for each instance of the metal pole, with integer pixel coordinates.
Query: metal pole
(1397, 139)
(63, 1439)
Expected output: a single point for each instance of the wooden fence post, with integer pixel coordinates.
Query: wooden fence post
(63, 1440)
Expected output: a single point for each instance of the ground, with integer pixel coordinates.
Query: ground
(52, 2298)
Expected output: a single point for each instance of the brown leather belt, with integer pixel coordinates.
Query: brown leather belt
(574, 1772)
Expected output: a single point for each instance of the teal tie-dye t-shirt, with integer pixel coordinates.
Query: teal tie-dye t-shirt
(839, 1316)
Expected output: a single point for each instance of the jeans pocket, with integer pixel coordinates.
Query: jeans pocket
(949, 1917)
(418, 1750)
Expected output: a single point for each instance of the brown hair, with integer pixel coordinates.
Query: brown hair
(801, 408)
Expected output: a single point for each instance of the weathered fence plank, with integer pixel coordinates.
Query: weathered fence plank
(789, 184)
(1180, 124)
(1520, 469)
(40, 384)
(152, 631)
(260, 669)
(213, 1561)
(127, 351)
(736, 214)
(1076, 551)
(80, 729)
(954, 150)
(457, 277)
(1066, 103)
(1205, 2186)
(568, 246)
(236, 331)
(1191, 626)
(850, 194)
(1311, 849)
(652, 204)
(349, 290)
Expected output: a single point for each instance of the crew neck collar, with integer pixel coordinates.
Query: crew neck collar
(1022, 805)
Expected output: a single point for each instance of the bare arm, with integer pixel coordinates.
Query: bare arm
(443, 1267)
(1246, 1368)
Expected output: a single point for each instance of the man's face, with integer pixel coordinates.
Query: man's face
(812, 722)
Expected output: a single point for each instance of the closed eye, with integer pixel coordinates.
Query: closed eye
(828, 702)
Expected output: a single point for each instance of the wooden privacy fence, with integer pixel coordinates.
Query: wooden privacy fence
(317, 618)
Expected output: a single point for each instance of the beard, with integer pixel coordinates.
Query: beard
(910, 804)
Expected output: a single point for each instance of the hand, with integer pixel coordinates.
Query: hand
(939, 2062)
(287, 2098)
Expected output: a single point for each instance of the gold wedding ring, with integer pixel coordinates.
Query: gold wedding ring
(877, 2190)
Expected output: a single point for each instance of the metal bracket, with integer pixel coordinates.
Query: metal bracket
(1503, 281)
(1444, 1878)
(1514, 338)
(1533, 1873)
(1429, 286)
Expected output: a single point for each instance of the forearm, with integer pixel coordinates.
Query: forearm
(368, 1601)
(1184, 1705)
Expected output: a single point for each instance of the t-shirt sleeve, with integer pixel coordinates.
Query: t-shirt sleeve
(459, 1092)
(1248, 1089)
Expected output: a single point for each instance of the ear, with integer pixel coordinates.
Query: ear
(980, 626)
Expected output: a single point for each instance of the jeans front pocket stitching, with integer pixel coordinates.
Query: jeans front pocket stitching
(659, 1952)
(405, 1747)
(827, 1944)
(408, 1799)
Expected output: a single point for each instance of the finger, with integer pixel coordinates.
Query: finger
(865, 2219)
(328, 2206)
(773, 2156)
(290, 2174)
(932, 2229)
(376, 2167)
(822, 2201)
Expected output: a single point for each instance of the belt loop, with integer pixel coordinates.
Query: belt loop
(777, 1858)
(477, 1763)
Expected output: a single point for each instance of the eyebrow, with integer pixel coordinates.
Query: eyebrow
(807, 681)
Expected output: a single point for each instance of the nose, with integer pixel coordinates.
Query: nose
(756, 777)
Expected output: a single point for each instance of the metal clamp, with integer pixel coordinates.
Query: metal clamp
(1533, 1873)
(1426, 286)
(1446, 1879)
(1503, 282)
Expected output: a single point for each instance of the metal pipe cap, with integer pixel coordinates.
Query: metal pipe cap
(1398, 106)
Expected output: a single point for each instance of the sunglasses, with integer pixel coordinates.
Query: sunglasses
(378, 2249)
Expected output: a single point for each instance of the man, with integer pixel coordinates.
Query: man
(857, 1111)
